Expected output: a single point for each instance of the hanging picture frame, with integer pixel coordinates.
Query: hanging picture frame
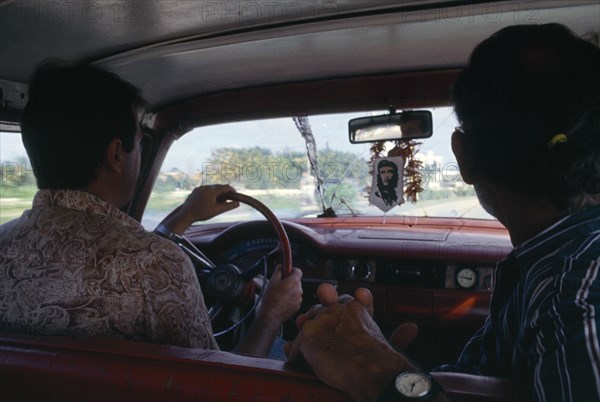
(387, 183)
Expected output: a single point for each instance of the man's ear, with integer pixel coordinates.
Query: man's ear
(114, 155)
(458, 148)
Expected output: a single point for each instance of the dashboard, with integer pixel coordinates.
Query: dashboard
(438, 273)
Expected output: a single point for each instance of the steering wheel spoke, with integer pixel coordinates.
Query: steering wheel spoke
(260, 282)
(215, 309)
(258, 266)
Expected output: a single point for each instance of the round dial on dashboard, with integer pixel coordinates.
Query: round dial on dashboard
(466, 278)
(362, 270)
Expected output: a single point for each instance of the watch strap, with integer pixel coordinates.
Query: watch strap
(165, 232)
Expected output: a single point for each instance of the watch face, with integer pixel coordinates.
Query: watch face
(413, 384)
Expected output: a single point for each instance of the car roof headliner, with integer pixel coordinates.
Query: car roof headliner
(176, 50)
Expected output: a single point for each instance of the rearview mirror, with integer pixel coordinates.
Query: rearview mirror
(389, 127)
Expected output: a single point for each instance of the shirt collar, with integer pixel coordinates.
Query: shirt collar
(581, 223)
(82, 201)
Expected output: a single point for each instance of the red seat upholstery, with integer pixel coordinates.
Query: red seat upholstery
(65, 369)
(34, 368)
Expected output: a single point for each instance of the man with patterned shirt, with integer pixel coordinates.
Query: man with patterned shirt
(75, 264)
(529, 107)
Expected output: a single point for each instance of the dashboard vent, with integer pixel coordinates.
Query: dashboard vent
(428, 274)
(384, 234)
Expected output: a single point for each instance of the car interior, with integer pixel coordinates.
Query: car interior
(288, 102)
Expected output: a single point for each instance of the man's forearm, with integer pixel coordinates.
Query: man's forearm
(259, 338)
(176, 223)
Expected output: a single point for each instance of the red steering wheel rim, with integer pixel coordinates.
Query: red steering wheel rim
(285, 249)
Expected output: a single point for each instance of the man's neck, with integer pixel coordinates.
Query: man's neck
(104, 192)
(523, 217)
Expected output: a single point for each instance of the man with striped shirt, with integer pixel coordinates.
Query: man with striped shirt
(529, 107)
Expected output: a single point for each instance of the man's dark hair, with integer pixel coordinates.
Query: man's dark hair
(74, 111)
(523, 87)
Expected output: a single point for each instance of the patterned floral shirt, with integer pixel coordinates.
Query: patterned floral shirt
(76, 265)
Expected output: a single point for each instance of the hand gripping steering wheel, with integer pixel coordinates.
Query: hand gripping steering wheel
(228, 284)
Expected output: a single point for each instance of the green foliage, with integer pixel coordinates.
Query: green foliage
(24, 191)
(467, 191)
(16, 173)
(429, 194)
(446, 194)
(173, 181)
(348, 191)
(254, 168)
(333, 165)
(17, 188)
(261, 168)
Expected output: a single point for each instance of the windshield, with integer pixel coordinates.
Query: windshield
(267, 159)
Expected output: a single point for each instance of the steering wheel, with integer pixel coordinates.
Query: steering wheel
(228, 284)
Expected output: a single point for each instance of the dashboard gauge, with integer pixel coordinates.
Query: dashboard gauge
(466, 278)
(259, 244)
(362, 270)
(247, 252)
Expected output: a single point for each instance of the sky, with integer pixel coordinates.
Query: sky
(190, 151)
(11, 147)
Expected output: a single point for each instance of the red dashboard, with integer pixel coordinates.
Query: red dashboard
(435, 272)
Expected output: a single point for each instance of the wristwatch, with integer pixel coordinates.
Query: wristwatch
(410, 386)
(165, 232)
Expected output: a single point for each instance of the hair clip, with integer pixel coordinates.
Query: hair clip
(557, 139)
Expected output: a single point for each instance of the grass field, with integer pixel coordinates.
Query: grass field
(14, 200)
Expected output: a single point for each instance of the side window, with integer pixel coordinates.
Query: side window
(17, 183)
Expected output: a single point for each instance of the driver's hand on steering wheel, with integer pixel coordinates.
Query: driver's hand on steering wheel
(203, 203)
(282, 297)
